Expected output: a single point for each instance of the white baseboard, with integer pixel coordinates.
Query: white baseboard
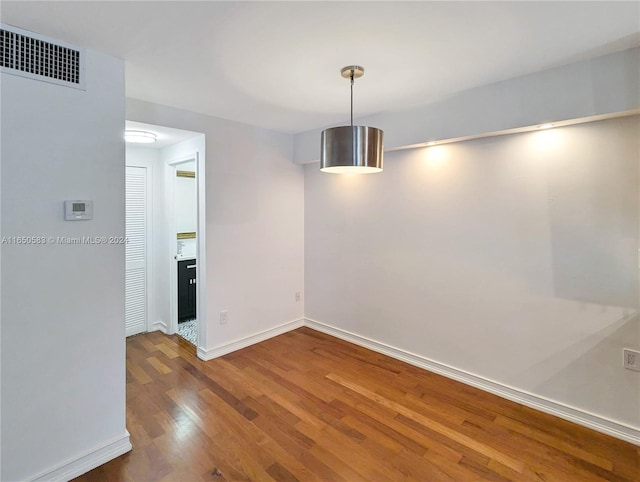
(159, 326)
(221, 350)
(572, 414)
(84, 463)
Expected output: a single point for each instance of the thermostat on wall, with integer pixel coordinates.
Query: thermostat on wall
(78, 210)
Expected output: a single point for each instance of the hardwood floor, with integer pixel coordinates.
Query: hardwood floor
(305, 406)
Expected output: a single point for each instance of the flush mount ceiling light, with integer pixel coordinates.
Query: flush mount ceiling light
(351, 149)
(140, 137)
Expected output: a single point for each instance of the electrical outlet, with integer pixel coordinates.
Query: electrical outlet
(631, 359)
(298, 296)
(224, 317)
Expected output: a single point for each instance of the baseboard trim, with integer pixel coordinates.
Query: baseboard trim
(84, 463)
(221, 350)
(159, 326)
(572, 414)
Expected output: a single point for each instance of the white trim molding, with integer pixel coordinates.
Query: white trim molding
(240, 343)
(600, 424)
(71, 469)
(159, 326)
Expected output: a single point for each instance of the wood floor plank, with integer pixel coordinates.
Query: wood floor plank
(304, 406)
(433, 425)
(560, 444)
(158, 365)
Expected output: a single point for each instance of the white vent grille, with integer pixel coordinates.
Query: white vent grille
(30, 55)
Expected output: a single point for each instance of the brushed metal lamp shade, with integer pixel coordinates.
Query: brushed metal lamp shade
(351, 149)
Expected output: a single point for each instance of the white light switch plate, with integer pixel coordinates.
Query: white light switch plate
(631, 359)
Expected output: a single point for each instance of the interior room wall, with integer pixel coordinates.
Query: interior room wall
(63, 351)
(254, 224)
(513, 258)
(186, 200)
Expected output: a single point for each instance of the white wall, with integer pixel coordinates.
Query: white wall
(63, 356)
(186, 204)
(513, 258)
(254, 223)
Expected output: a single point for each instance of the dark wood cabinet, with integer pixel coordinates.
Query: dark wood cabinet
(186, 290)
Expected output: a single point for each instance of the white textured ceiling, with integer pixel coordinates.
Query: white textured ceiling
(276, 64)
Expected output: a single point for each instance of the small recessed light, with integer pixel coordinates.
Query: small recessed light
(545, 126)
(140, 137)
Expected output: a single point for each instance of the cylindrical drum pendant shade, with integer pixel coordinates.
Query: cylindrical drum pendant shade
(351, 149)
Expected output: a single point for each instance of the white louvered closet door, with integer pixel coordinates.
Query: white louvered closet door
(136, 251)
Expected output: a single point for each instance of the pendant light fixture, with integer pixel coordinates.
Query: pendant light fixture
(351, 149)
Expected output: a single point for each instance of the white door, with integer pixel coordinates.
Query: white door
(136, 251)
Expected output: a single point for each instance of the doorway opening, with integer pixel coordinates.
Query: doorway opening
(184, 210)
(165, 227)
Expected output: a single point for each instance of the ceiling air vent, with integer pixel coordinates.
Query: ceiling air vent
(31, 55)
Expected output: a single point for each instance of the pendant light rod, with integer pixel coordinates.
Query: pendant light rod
(352, 72)
(352, 98)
